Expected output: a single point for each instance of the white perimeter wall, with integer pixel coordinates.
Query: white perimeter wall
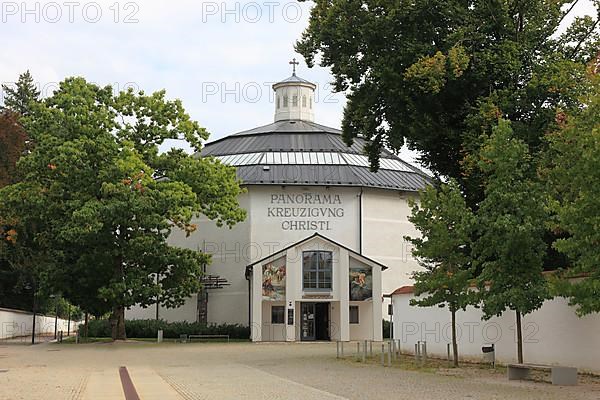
(14, 323)
(552, 335)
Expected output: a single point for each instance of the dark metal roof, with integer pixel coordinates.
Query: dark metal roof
(288, 141)
(330, 175)
(305, 136)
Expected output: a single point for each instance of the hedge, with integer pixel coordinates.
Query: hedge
(148, 328)
(386, 329)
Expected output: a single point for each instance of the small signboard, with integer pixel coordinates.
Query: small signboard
(317, 296)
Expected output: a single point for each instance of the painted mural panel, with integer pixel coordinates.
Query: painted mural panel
(361, 283)
(273, 280)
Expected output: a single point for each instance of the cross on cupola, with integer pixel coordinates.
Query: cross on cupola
(293, 63)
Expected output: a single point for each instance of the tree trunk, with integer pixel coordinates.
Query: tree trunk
(117, 318)
(519, 339)
(117, 323)
(454, 342)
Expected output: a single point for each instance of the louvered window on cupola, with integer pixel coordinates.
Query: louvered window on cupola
(295, 101)
(278, 101)
(285, 101)
(304, 101)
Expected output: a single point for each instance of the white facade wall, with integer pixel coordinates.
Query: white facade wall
(15, 323)
(374, 219)
(385, 224)
(336, 318)
(364, 329)
(270, 232)
(231, 250)
(552, 335)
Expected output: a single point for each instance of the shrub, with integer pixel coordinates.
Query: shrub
(148, 328)
(386, 329)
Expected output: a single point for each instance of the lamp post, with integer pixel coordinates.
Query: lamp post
(69, 323)
(34, 309)
(52, 296)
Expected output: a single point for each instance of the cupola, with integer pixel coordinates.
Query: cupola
(294, 98)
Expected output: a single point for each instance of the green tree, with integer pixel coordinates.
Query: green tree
(509, 248)
(445, 224)
(437, 74)
(24, 252)
(574, 179)
(20, 98)
(109, 199)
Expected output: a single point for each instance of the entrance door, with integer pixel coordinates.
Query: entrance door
(315, 322)
(322, 321)
(307, 330)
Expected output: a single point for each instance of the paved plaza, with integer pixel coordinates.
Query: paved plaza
(241, 371)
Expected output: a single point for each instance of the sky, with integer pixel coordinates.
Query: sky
(219, 57)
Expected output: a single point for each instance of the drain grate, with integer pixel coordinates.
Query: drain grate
(3, 371)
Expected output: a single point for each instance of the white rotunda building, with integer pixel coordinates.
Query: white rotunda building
(323, 238)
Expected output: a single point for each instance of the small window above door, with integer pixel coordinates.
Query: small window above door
(277, 314)
(354, 315)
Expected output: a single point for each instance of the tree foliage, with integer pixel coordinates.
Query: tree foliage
(444, 250)
(573, 171)
(103, 198)
(20, 98)
(436, 75)
(510, 248)
(13, 142)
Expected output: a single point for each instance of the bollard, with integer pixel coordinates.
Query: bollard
(424, 352)
(358, 348)
(389, 354)
(364, 354)
(77, 337)
(337, 349)
(371, 348)
(417, 347)
(160, 336)
(342, 346)
(382, 354)
(448, 351)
